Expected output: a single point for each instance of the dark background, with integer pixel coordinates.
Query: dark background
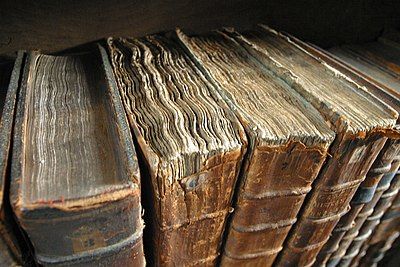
(55, 25)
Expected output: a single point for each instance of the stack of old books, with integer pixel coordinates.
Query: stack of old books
(230, 149)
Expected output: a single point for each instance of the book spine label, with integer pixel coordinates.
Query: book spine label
(276, 183)
(381, 167)
(330, 198)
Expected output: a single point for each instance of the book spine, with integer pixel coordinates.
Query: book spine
(8, 227)
(348, 226)
(376, 252)
(384, 235)
(343, 227)
(330, 198)
(194, 238)
(277, 179)
(357, 245)
(390, 256)
(111, 234)
(335, 187)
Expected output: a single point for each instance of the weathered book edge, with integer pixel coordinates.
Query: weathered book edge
(298, 247)
(160, 238)
(10, 231)
(269, 236)
(128, 249)
(380, 169)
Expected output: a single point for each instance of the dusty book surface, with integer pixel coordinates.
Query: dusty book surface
(192, 147)
(361, 122)
(14, 247)
(379, 60)
(288, 141)
(75, 177)
(383, 169)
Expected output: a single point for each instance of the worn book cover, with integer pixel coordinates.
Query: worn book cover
(383, 235)
(362, 125)
(191, 148)
(379, 176)
(13, 245)
(75, 187)
(288, 142)
(378, 62)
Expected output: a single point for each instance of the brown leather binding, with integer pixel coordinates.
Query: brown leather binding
(329, 200)
(267, 209)
(350, 224)
(188, 195)
(357, 246)
(383, 235)
(385, 158)
(376, 252)
(340, 176)
(277, 174)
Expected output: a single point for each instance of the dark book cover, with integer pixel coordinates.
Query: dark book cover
(75, 182)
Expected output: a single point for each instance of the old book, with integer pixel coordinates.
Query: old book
(191, 146)
(359, 244)
(288, 142)
(379, 176)
(377, 251)
(379, 60)
(358, 232)
(370, 62)
(360, 248)
(384, 235)
(391, 257)
(362, 125)
(13, 247)
(75, 186)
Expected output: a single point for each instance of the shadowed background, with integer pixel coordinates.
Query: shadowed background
(53, 26)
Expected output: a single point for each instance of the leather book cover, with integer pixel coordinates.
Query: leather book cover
(357, 144)
(360, 243)
(288, 142)
(376, 63)
(388, 254)
(376, 252)
(372, 221)
(355, 233)
(191, 147)
(13, 245)
(384, 167)
(74, 174)
(383, 235)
